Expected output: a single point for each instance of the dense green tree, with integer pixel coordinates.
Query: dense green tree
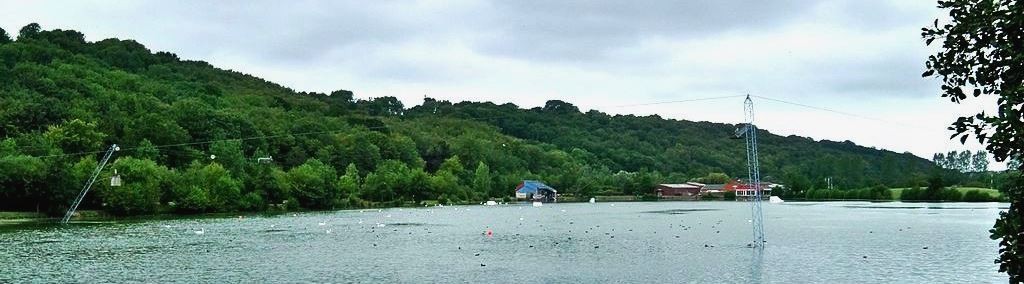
(208, 187)
(482, 182)
(22, 182)
(935, 186)
(359, 149)
(143, 182)
(314, 184)
(714, 178)
(560, 107)
(979, 162)
(446, 187)
(4, 37)
(229, 153)
(270, 183)
(349, 183)
(1013, 163)
(146, 150)
(75, 136)
(940, 160)
(384, 106)
(453, 166)
(29, 31)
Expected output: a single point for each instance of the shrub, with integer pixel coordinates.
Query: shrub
(952, 195)
(881, 192)
(252, 201)
(911, 194)
(975, 195)
(729, 195)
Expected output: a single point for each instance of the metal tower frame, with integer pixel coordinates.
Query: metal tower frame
(88, 184)
(749, 132)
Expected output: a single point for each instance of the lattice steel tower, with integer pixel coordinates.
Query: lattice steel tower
(749, 132)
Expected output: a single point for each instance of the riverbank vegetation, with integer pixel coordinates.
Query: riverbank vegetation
(942, 185)
(196, 139)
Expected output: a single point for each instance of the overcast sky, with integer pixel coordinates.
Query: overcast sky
(858, 57)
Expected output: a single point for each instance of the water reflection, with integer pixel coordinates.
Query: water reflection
(585, 243)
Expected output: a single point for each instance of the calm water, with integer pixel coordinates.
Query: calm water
(580, 243)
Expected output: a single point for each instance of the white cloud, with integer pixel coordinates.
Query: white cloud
(861, 57)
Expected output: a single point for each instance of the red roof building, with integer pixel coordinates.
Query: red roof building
(744, 189)
(690, 190)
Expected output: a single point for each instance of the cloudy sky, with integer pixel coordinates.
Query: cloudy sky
(862, 59)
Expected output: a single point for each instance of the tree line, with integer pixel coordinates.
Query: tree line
(963, 161)
(196, 138)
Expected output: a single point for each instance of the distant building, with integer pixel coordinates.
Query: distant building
(745, 190)
(713, 190)
(689, 190)
(536, 191)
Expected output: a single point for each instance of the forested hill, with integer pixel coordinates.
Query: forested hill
(191, 136)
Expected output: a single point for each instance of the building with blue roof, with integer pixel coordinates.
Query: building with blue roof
(536, 191)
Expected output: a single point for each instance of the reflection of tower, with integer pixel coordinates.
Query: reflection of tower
(749, 132)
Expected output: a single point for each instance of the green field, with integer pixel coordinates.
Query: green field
(897, 192)
(8, 215)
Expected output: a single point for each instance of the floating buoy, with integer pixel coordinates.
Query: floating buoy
(490, 233)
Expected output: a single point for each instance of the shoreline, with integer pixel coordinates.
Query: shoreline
(14, 218)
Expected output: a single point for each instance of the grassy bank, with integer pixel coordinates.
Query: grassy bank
(948, 194)
(897, 193)
(8, 215)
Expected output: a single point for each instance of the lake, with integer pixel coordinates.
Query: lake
(631, 242)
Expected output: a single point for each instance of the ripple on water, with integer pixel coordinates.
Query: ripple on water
(586, 243)
(681, 211)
